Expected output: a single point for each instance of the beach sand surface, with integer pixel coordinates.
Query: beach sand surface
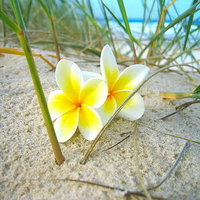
(28, 169)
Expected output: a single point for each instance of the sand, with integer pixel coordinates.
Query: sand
(28, 169)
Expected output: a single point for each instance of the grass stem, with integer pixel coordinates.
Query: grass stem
(21, 33)
(55, 39)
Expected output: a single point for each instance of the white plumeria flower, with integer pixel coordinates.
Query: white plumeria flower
(120, 86)
(74, 104)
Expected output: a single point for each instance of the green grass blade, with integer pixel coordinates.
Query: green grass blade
(185, 14)
(108, 27)
(46, 8)
(126, 22)
(190, 21)
(49, 6)
(147, 15)
(3, 24)
(116, 19)
(128, 30)
(90, 8)
(74, 45)
(28, 13)
(93, 21)
(19, 18)
(197, 90)
(9, 22)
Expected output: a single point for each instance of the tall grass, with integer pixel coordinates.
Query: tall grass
(77, 26)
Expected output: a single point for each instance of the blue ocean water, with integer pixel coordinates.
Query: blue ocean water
(136, 27)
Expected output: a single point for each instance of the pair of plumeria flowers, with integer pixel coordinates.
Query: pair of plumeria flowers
(87, 100)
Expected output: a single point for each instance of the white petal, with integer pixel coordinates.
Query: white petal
(131, 77)
(58, 104)
(108, 108)
(134, 109)
(65, 126)
(109, 67)
(90, 123)
(69, 79)
(93, 93)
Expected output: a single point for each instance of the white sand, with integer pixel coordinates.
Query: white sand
(28, 170)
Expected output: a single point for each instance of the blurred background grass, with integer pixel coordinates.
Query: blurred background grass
(158, 39)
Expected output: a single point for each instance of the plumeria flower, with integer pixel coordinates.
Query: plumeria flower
(120, 86)
(74, 104)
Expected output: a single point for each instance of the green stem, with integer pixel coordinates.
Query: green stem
(47, 7)
(55, 39)
(108, 26)
(3, 25)
(188, 29)
(41, 98)
(128, 30)
(37, 85)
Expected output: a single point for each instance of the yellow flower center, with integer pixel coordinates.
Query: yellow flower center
(78, 105)
(110, 93)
